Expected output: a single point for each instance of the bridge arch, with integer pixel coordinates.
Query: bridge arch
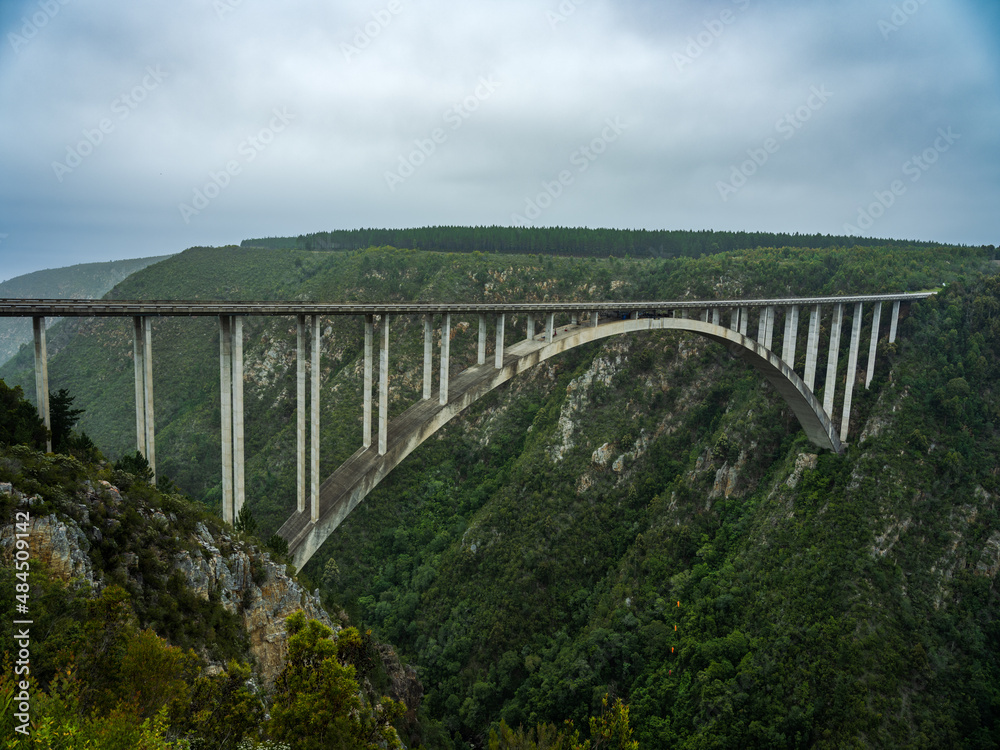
(343, 490)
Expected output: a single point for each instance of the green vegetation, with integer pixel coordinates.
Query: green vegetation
(86, 280)
(568, 241)
(635, 530)
(118, 661)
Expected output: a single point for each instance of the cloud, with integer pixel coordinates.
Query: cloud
(701, 87)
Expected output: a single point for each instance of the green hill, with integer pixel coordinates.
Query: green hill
(640, 518)
(83, 281)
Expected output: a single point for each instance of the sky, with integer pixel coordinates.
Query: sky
(132, 129)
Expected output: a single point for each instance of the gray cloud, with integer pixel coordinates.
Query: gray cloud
(476, 108)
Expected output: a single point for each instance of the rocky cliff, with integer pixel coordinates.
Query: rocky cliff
(215, 565)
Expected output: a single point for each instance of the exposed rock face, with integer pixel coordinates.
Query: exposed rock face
(989, 561)
(254, 588)
(247, 581)
(60, 545)
(803, 462)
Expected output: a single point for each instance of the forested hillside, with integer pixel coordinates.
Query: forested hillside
(640, 518)
(578, 242)
(87, 280)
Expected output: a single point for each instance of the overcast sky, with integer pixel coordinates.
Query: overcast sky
(131, 129)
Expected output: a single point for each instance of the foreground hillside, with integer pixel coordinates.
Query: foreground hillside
(640, 518)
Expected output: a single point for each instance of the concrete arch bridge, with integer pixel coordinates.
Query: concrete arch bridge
(551, 328)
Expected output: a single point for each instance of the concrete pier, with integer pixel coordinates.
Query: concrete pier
(744, 320)
(895, 322)
(812, 349)
(314, 421)
(768, 326)
(445, 356)
(300, 413)
(531, 327)
(42, 377)
(876, 324)
(716, 316)
(501, 320)
(141, 351)
(231, 392)
(481, 352)
(383, 388)
(550, 325)
(366, 430)
(852, 370)
(791, 333)
(226, 398)
(428, 356)
(830, 384)
(239, 486)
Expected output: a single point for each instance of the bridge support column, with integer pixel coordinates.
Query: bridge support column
(239, 485)
(716, 316)
(42, 377)
(595, 318)
(876, 324)
(768, 327)
(830, 386)
(142, 351)
(300, 413)
(314, 423)
(531, 326)
(744, 320)
(895, 321)
(791, 331)
(383, 389)
(428, 356)
(481, 354)
(852, 370)
(812, 349)
(734, 319)
(501, 320)
(226, 400)
(231, 386)
(574, 319)
(445, 356)
(550, 326)
(366, 430)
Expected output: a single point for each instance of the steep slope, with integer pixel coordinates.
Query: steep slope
(532, 558)
(86, 280)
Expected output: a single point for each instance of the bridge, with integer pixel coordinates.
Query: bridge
(551, 328)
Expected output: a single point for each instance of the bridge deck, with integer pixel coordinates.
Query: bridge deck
(23, 308)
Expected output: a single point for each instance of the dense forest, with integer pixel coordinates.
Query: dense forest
(635, 536)
(567, 241)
